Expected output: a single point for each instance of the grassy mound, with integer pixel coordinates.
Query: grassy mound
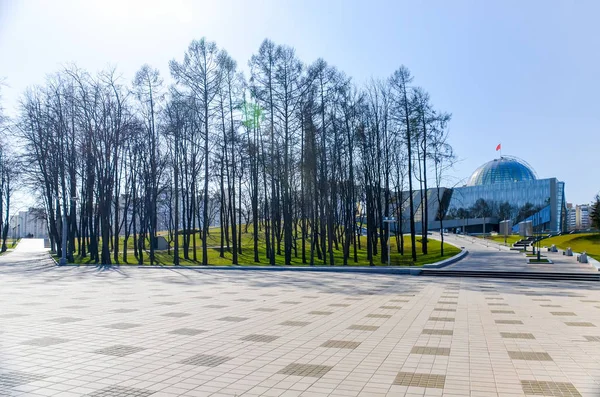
(588, 242)
(510, 240)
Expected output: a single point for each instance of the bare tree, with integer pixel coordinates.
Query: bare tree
(200, 74)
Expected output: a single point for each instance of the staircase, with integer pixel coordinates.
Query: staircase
(515, 275)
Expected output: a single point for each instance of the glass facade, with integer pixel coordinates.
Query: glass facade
(502, 170)
(502, 189)
(542, 200)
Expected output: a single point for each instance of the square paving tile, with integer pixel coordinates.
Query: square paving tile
(13, 379)
(391, 307)
(119, 350)
(123, 325)
(441, 309)
(430, 351)
(543, 388)
(358, 327)
(297, 369)
(124, 311)
(65, 320)
(176, 314)
(320, 313)
(341, 344)
(233, 319)
(448, 319)
(529, 356)
(187, 331)
(413, 379)
(563, 313)
(509, 322)
(516, 335)
(579, 324)
(13, 315)
(437, 332)
(46, 341)
(121, 391)
(374, 315)
(259, 338)
(205, 360)
(295, 323)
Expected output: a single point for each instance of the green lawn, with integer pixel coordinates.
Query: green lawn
(510, 240)
(10, 244)
(247, 256)
(588, 242)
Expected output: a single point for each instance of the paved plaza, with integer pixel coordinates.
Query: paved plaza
(80, 331)
(491, 256)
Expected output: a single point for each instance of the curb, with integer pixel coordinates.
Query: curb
(333, 269)
(449, 261)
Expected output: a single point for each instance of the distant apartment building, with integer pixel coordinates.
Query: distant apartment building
(571, 217)
(30, 223)
(578, 216)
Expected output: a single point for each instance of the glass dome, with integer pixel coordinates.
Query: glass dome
(502, 170)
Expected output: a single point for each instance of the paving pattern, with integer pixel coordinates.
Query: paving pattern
(163, 333)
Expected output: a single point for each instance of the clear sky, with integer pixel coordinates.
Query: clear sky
(524, 73)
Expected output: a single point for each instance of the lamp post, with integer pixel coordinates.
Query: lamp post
(539, 239)
(388, 220)
(63, 258)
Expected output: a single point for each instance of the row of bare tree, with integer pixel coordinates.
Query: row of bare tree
(8, 175)
(296, 154)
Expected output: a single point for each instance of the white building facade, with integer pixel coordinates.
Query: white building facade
(29, 223)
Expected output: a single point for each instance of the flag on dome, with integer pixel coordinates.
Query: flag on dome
(499, 147)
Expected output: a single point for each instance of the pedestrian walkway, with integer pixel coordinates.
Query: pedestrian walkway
(28, 254)
(69, 331)
(490, 256)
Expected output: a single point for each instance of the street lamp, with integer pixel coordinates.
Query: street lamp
(63, 258)
(388, 220)
(539, 237)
